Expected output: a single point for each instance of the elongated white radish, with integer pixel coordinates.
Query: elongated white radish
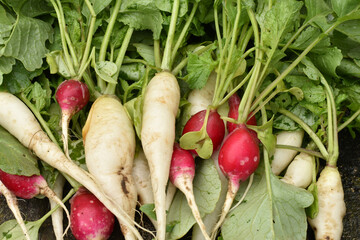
(12, 204)
(57, 216)
(109, 140)
(161, 103)
(300, 171)
(283, 157)
(16, 118)
(328, 222)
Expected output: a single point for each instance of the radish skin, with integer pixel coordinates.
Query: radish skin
(328, 222)
(300, 171)
(12, 204)
(57, 216)
(16, 118)
(109, 141)
(161, 103)
(283, 157)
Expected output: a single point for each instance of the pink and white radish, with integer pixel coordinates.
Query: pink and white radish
(283, 157)
(328, 222)
(109, 142)
(239, 157)
(57, 216)
(72, 96)
(90, 219)
(16, 118)
(161, 103)
(182, 172)
(300, 171)
(12, 204)
(28, 187)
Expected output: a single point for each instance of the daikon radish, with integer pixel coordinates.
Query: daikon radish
(300, 171)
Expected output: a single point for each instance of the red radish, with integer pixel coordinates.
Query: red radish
(72, 96)
(234, 102)
(215, 127)
(182, 171)
(239, 157)
(28, 187)
(90, 219)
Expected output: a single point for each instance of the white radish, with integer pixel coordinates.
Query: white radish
(300, 171)
(283, 157)
(328, 222)
(11, 201)
(161, 103)
(57, 216)
(16, 117)
(109, 140)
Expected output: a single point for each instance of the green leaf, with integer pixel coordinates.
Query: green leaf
(207, 187)
(141, 15)
(106, 70)
(11, 230)
(313, 209)
(149, 210)
(30, 8)
(6, 25)
(307, 36)
(199, 141)
(349, 68)
(199, 69)
(146, 52)
(317, 10)
(27, 41)
(351, 29)
(57, 64)
(132, 71)
(134, 109)
(271, 210)
(285, 123)
(19, 78)
(328, 60)
(343, 7)
(266, 136)
(14, 157)
(6, 64)
(166, 6)
(312, 92)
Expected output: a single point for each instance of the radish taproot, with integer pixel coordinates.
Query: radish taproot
(300, 171)
(182, 172)
(72, 96)
(27, 187)
(16, 118)
(239, 157)
(109, 142)
(328, 223)
(161, 102)
(57, 216)
(283, 157)
(90, 219)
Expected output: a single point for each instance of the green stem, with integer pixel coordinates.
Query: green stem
(245, 41)
(39, 117)
(157, 54)
(347, 122)
(183, 32)
(308, 130)
(299, 149)
(270, 87)
(217, 28)
(85, 57)
(90, 84)
(83, 68)
(166, 62)
(119, 59)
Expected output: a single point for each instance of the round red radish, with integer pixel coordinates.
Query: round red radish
(72, 96)
(239, 155)
(182, 163)
(215, 127)
(90, 219)
(234, 102)
(23, 186)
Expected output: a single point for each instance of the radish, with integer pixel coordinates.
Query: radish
(90, 219)
(215, 127)
(109, 141)
(161, 102)
(239, 157)
(282, 157)
(300, 171)
(328, 222)
(72, 96)
(57, 216)
(234, 102)
(27, 187)
(182, 171)
(12, 204)
(16, 118)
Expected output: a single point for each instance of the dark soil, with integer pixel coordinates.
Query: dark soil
(349, 167)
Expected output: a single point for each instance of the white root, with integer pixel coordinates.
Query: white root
(109, 140)
(58, 216)
(16, 118)
(300, 171)
(283, 157)
(328, 222)
(12, 204)
(161, 103)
